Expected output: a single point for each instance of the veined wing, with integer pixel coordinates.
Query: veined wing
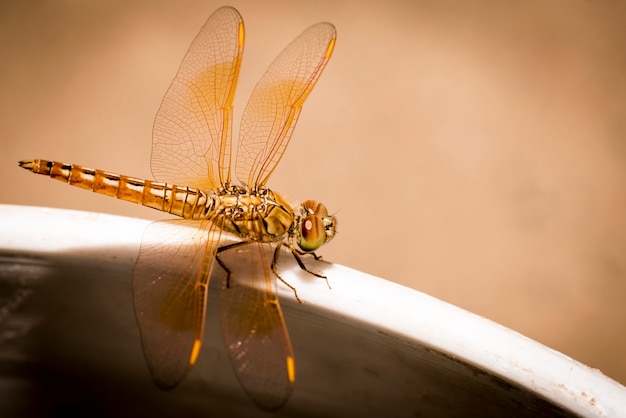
(253, 328)
(170, 283)
(192, 131)
(272, 112)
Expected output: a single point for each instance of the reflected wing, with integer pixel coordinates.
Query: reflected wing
(192, 131)
(169, 288)
(253, 327)
(272, 112)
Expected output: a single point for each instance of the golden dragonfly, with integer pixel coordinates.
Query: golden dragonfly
(191, 160)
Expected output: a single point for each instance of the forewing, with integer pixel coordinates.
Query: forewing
(253, 328)
(272, 112)
(192, 131)
(170, 283)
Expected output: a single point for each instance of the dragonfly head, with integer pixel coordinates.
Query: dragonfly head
(316, 226)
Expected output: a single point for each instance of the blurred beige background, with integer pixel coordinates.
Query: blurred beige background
(475, 151)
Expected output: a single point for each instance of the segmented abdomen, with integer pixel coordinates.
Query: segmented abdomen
(181, 201)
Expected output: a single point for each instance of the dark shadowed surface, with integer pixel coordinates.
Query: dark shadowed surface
(79, 355)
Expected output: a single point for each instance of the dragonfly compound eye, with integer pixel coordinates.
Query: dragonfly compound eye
(313, 207)
(312, 233)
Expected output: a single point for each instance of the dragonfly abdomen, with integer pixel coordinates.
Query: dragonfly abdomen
(181, 201)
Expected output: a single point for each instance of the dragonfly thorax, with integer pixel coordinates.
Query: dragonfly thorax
(254, 215)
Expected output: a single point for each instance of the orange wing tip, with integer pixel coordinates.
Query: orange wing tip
(240, 35)
(194, 352)
(291, 369)
(331, 47)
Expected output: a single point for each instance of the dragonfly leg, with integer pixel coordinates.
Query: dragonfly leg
(274, 264)
(221, 263)
(315, 256)
(226, 269)
(296, 254)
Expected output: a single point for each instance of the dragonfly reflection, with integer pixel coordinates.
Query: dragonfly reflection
(191, 160)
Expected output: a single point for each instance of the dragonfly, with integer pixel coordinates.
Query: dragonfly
(191, 162)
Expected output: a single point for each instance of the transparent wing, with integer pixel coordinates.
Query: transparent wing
(253, 327)
(170, 282)
(191, 143)
(272, 112)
